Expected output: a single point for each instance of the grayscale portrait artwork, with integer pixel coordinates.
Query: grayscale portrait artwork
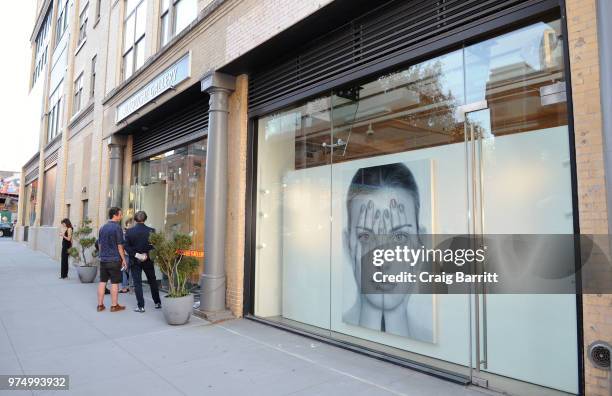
(383, 208)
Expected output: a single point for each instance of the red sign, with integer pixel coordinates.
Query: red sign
(191, 253)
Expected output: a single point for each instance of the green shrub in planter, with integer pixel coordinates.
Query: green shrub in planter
(167, 254)
(84, 239)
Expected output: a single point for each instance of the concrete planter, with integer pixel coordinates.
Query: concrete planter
(177, 310)
(87, 274)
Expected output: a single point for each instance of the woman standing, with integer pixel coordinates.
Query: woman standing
(66, 244)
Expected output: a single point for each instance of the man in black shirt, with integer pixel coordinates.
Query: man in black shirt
(138, 247)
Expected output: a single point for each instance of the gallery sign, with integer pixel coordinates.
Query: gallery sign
(169, 78)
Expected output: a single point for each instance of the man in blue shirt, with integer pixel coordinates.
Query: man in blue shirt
(112, 258)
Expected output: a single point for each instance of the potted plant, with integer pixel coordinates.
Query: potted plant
(168, 253)
(87, 269)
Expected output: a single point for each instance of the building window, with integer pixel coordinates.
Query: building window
(83, 25)
(92, 80)
(134, 36)
(68, 211)
(62, 21)
(48, 207)
(175, 16)
(98, 9)
(165, 32)
(85, 210)
(78, 94)
(41, 44)
(54, 116)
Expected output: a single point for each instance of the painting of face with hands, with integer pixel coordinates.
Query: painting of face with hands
(383, 209)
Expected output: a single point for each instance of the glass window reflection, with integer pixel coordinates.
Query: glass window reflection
(170, 188)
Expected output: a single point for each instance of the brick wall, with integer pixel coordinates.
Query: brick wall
(584, 64)
(237, 157)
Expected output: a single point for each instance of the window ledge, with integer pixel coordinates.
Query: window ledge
(80, 46)
(53, 141)
(79, 115)
(96, 22)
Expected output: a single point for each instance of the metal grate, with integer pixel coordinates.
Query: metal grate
(51, 159)
(181, 127)
(31, 176)
(599, 352)
(386, 32)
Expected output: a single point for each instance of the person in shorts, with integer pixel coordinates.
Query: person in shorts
(112, 259)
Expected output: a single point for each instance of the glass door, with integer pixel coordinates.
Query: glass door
(519, 182)
(514, 334)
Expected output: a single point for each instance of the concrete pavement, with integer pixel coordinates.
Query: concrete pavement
(50, 326)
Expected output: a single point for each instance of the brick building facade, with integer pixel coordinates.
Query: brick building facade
(100, 55)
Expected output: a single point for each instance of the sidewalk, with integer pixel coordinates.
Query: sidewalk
(50, 326)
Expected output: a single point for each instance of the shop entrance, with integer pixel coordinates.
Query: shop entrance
(473, 141)
(170, 188)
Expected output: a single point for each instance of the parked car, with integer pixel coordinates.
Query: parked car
(6, 230)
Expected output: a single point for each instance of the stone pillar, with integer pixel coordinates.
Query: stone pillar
(212, 282)
(116, 147)
(583, 46)
(604, 16)
(236, 195)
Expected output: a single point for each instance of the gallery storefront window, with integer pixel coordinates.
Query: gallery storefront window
(169, 187)
(31, 191)
(400, 147)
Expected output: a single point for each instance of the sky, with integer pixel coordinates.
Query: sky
(18, 121)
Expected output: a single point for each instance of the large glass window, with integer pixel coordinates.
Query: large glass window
(170, 188)
(134, 28)
(390, 156)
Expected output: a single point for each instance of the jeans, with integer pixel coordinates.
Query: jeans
(136, 268)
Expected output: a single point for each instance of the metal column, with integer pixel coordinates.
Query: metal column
(212, 282)
(116, 148)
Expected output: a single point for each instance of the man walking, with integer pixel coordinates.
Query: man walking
(138, 247)
(112, 258)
